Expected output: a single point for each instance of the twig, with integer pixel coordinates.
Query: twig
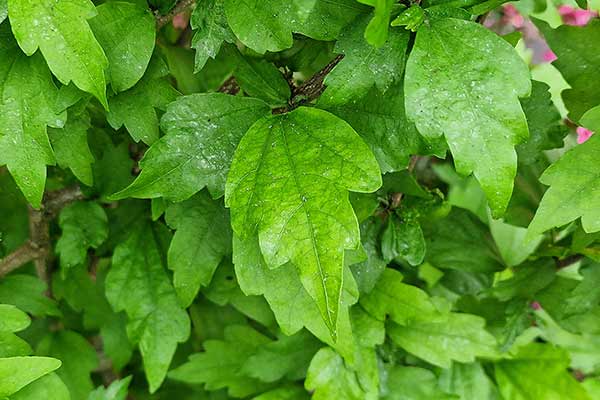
(37, 248)
(230, 86)
(25, 253)
(181, 6)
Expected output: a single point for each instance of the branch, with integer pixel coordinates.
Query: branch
(181, 6)
(25, 253)
(37, 248)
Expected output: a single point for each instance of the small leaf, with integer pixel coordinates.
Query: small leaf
(363, 66)
(210, 31)
(289, 178)
(12, 319)
(461, 337)
(414, 383)
(84, 225)
(538, 371)
(328, 378)
(135, 108)
(192, 255)
(377, 30)
(59, 28)
(18, 372)
(78, 358)
(116, 391)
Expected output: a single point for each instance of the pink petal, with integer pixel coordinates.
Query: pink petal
(549, 56)
(576, 17)
(180, 21)
(583, 134)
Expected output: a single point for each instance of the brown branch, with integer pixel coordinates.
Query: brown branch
(25, 253)
(230, 86)
(313, 87)
(37, 248)
(181, 6)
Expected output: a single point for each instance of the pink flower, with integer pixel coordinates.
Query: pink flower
(180, 21)
(536, 306)
(513, 16)
(549, 56)
(576, 16)
(583, 134)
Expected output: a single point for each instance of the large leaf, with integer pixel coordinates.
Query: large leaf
(288, 180)
(202, 132)
(59, 28)
(474, 103)
(26, 85)
(139, 285)
(126, 31)
(274, 21)
(201, 240)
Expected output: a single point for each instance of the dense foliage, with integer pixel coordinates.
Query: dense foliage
(294, 199)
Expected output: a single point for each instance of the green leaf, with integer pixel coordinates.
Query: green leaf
(220, 364)
(17, 372)
(139, 285)
(574, 190)
(274, 22)
(545, 127)
(116, 391)
(461, 242)
(368, 272)
(401, 302)
(136, 107)
(467, 381)
(27, 293)
(287, 357)
(126, 32)
(538, 371)
(307, 219)
(174, 167)
(224, 289)
(3, 10)
(413, 383)
(379, 118)
(49, 387)
(12, 319)
(26, 84)
(261, 79)
(78, 358)
(192, 255)
(328, 378)
(284, 393)
(403, 238)
(84, 225)
(210, 30)
(577, 58)
(474, 103)
(363, 66)
(70, 144)
(377, 30)
(460, 337)
(59, 28)
(291, 304)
